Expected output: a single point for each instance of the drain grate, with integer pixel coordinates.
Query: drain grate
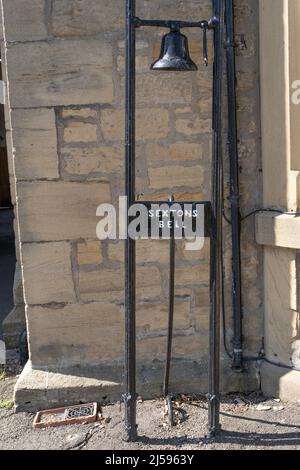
(77, 414)
(79, 411)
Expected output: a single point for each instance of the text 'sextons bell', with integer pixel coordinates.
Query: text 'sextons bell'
(174, 54)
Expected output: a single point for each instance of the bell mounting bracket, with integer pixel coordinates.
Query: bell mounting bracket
(177, 25)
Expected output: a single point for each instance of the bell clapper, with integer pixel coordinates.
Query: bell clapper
(205, 49)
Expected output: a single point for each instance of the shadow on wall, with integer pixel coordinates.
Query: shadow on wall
(7, 263)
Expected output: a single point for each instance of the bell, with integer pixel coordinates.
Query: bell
(174, 54)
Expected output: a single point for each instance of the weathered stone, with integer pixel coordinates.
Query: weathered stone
(92, 160)
(201, 320)
(189, 275)
(24, 20)
(60, 210)
(146, 251)
(158, 89)
(193, 127)
(89, 252)
(35, 143)
(58, 75)
(202, 297)
(152, 123)
(189, 8)
(47, 273)
(75, 131)
(183, 110)
(205, 83)
(154, 316)
(142, 63)
(280, 383)
(76, 334)
(79, 112)
(180, 151)
(245, 80)
(175, 176)
(38, 389)
(108, 284)
(196, 255)
(205, 105)
(154, 348)
(86, 17)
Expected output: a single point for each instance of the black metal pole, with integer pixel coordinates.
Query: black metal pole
(216, 229)
(130, 262)
(234, 190)
(166, 393)
(171, 308)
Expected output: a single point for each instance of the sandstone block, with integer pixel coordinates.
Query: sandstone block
(80, 132)
(194, 127)
(55, 74)
(142, 63)
(47, 273)
(108, 283)
(89, 161)
(151, 124)
(154, 316)
(89, 252)
(189, 275)
(202, 297)
(60, 210)
(146, 251)
(79, 113)
(76, 334)
(201, 320)
(152, 349)
(24, 20)
(196, 255)
(175, 176)
(180, 151)
(86, 17)
(35, 143)
(157, 88)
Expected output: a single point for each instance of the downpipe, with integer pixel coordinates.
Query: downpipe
(234, 199)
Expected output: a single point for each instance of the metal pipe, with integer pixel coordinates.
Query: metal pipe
(130, 253)
(216, 229)
(234, 190)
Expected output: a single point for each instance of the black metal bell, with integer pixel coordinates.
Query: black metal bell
(174, 54)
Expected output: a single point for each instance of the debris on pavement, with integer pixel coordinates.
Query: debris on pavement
(278, 408)
(262, 407)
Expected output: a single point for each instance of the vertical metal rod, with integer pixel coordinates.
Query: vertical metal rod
(234, 190)
(216, 229)
(171, 307)
(130, 262)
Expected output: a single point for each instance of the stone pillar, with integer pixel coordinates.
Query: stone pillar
(280, 61)
(14, 323)
(65, 71)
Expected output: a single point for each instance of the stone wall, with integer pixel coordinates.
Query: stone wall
(65, 66)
